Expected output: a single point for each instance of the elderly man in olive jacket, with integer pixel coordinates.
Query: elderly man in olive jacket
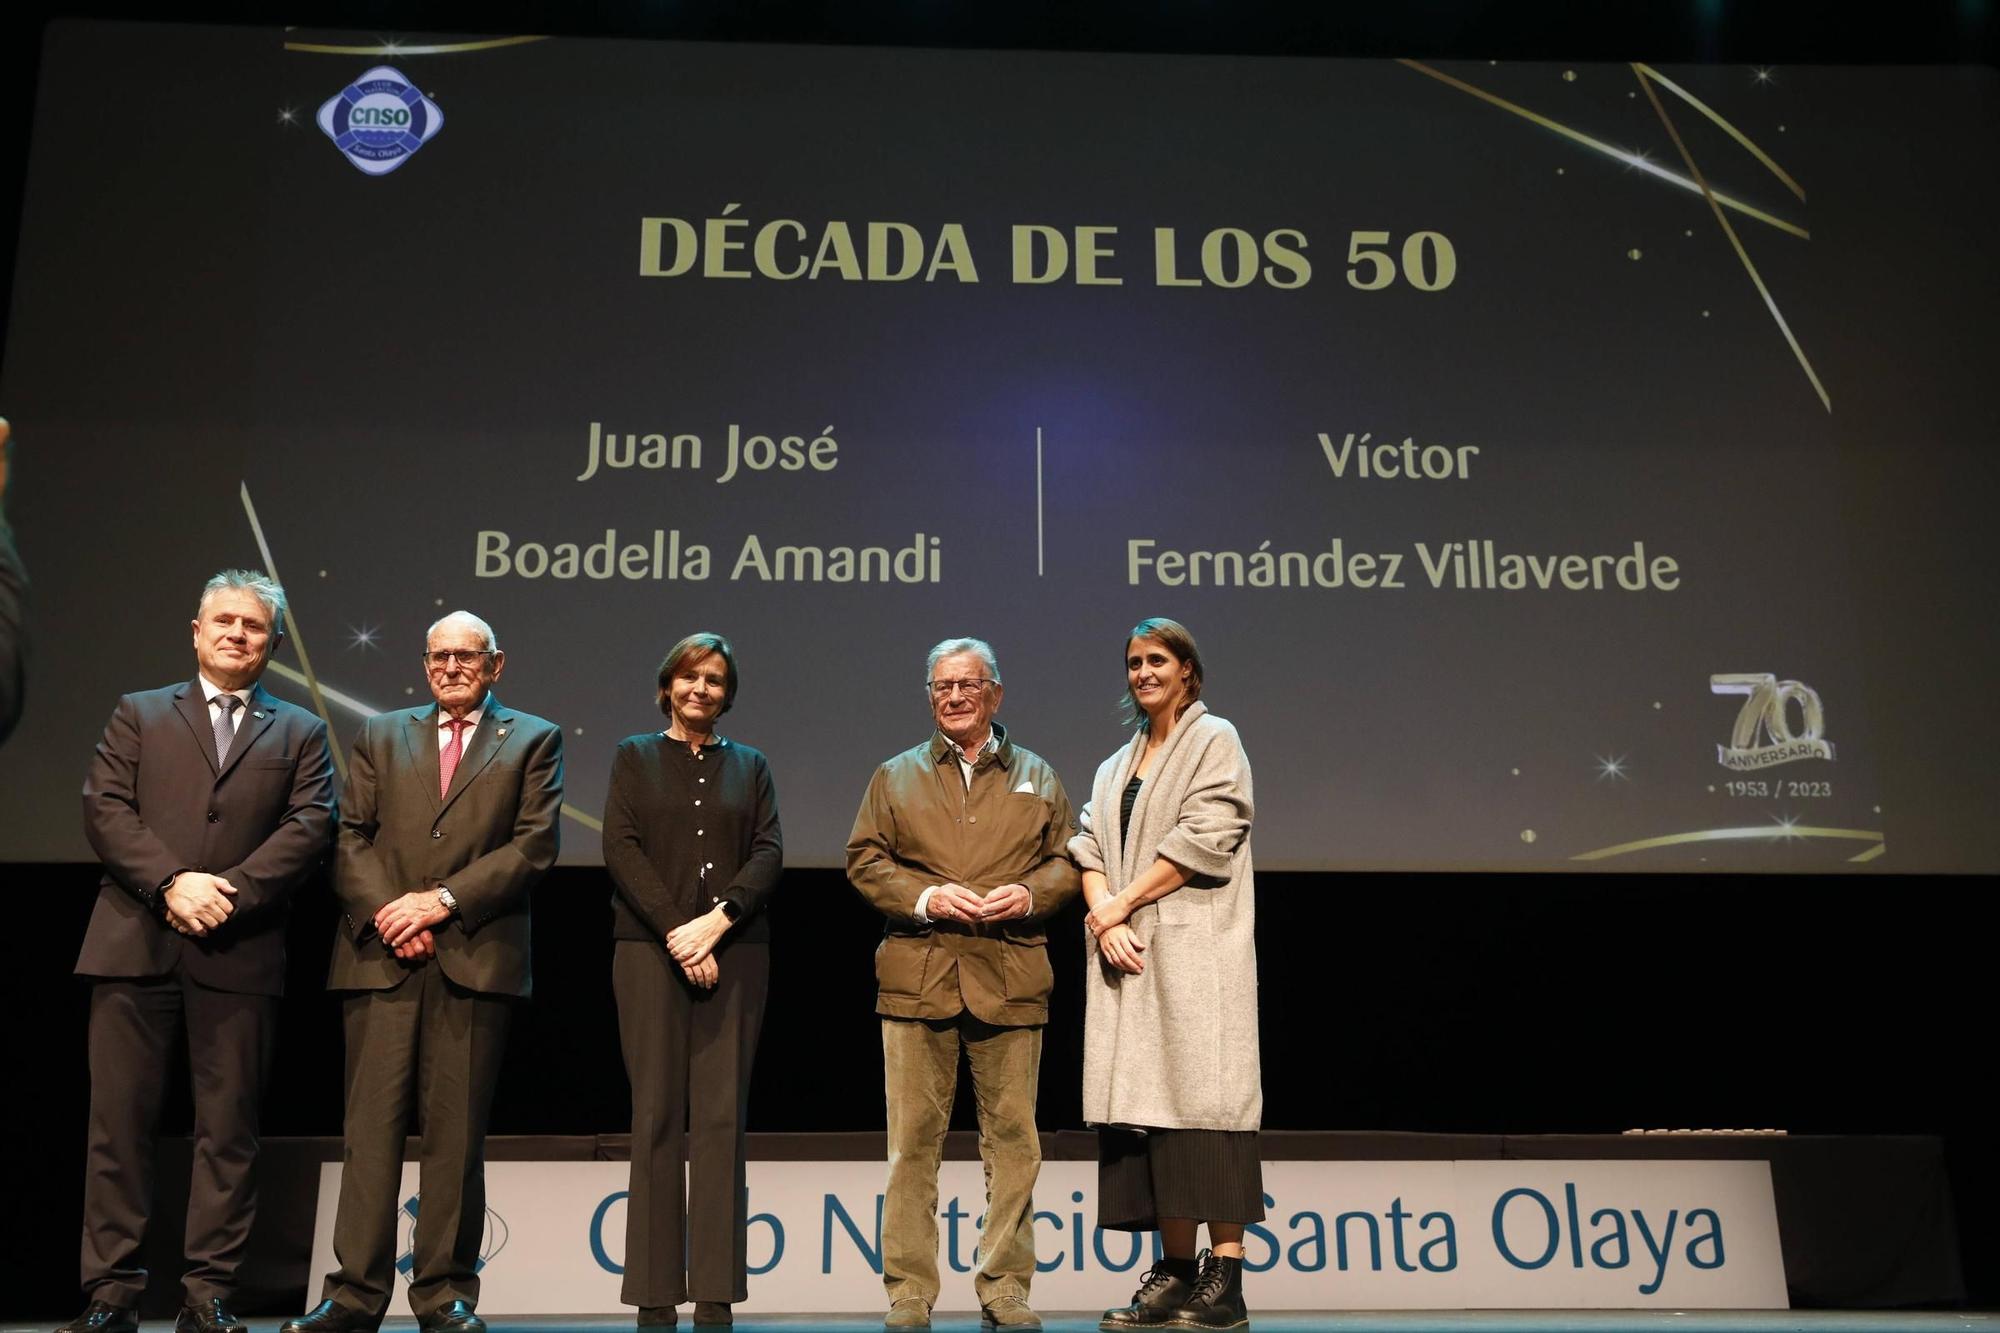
(959, 844)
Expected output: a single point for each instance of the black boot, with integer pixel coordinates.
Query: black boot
(1160, 1292)
(1217, 1298)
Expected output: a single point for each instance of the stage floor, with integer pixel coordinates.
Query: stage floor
(1293, 1321)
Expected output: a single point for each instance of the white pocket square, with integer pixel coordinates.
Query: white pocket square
(1028, 787)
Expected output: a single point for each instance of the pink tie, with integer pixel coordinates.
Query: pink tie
(453, 749)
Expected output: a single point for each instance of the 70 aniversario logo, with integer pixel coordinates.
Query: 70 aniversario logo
(1763, 735)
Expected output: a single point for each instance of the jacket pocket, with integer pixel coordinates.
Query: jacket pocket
(900, 962)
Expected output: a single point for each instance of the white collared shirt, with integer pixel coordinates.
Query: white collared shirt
(965, 765)
(471, 720)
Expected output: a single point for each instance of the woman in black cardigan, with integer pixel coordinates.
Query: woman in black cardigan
(691, 840)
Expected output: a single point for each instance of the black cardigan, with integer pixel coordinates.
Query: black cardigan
(682, 833)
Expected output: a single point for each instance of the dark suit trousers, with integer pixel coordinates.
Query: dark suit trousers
(432, 1046)
(688, 1053)
(135, 1026)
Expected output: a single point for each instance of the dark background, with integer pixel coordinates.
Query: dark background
(1469, 1002)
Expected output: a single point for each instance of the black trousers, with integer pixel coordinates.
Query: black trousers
(1210, 1175)
(135, 1027)
(431, 1046)
(688, 1053)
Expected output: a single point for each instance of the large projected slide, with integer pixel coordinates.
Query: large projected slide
(1475, 417)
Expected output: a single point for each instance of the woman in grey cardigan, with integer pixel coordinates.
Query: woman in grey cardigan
(1170, 1069)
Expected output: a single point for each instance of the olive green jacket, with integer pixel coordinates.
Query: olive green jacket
(918, 825)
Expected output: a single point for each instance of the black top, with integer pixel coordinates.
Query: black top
(1125, 810)
(684, 831)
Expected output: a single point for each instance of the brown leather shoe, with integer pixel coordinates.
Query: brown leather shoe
(1008, 1312)
(910, 1312)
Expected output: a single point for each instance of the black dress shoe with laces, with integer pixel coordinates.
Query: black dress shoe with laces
(104, 1317)
(454, 1318)
(209, 1316)
(1160, 1293)
(1216, 1300)
(332, 1317)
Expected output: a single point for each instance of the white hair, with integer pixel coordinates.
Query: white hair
(468, 619)
(953, 647)
(253, 581)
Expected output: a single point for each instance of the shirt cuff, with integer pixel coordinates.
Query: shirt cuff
(923, 901)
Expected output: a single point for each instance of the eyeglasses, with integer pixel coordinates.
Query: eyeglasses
(465, 657)
(943, 689)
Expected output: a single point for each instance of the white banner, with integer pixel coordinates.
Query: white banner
(1339, 1236)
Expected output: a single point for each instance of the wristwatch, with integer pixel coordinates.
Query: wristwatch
(446, 901)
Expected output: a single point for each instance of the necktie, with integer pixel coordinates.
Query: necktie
(225, 726)
(454, 749)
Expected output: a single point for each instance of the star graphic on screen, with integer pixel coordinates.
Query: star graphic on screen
(1611, 766)
(288, 116)
(1787, 825)
(1762, 76)
(363, 637)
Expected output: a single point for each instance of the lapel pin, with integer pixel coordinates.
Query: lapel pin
(503, 731)
(258, 716)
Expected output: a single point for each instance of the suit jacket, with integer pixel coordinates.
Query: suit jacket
(13, 632)
(918, 825)
(488, 839)
(157, 802)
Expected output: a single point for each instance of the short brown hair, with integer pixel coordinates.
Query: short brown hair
(1174, 637)
(692, 649)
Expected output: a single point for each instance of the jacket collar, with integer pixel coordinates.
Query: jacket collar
(1002, 751)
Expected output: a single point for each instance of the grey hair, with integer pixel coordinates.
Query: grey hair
(953, 647)
(466, 617)
(253, 581)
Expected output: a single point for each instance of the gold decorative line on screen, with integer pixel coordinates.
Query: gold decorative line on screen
(1735, 242)
(398, 49)
(1725, 126)
(292, 631)
(1636, 161)
(359, 709)
(1766, 833)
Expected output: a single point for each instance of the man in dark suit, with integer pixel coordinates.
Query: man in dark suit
(13, 611)
(449, 818)
(207, 803)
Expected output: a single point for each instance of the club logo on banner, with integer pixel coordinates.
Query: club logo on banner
(1763, 734)
(491, 1241)
(379, 120)
(1337, 1236)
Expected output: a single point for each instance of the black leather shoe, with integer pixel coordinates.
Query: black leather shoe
(209, 1316)
(713, 1312)
(104, 1317)
(1160, 1293)
(657, 1316)
(454, 1318)
(1216, 1300)
(332, 1317)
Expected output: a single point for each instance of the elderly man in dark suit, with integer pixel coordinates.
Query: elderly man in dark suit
(449, 819)
(208, 803)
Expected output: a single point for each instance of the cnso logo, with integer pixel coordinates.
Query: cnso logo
(491, 1242)
(379, 120)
